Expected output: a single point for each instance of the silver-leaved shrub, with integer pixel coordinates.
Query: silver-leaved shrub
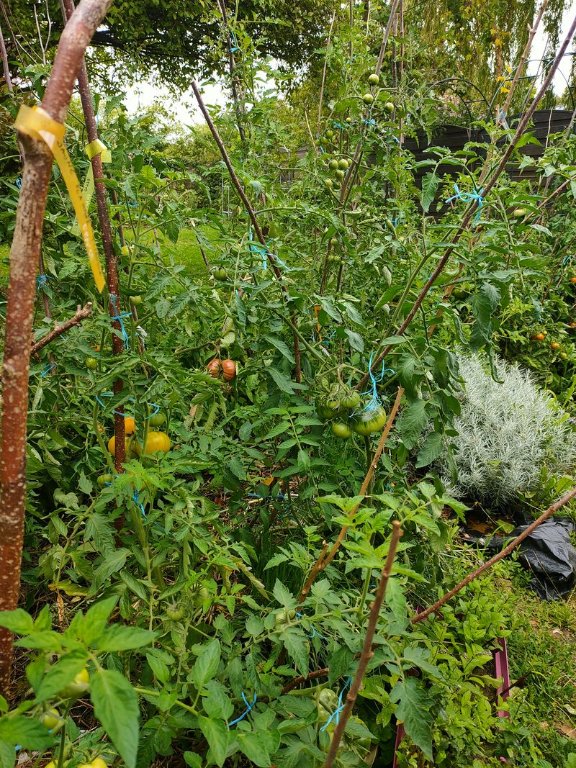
(508, 433)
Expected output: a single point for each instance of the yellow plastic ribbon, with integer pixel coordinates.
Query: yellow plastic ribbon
(95, 147)
(35, 122)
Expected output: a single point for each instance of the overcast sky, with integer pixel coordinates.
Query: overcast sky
(186, 112)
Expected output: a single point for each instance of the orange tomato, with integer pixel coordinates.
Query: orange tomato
(214, 367)
(228, 369)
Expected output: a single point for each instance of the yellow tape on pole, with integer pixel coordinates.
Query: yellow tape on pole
(95, 147)
(35, 122)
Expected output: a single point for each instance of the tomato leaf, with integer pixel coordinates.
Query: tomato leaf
(28, 732)
(414, 710)
(411, 423)
(217, 735)
(17, 621)
(206, 665)
(116, 708)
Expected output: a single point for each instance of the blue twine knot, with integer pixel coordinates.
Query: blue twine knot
(249, 707)
(264, 252)
(19, 182)
(119, 317)
(156, 409)
(41, 281)
(370, 122)
(372, 393)
(47, 368)
(136, 500)
(234, 46)
(340, 708)
(469, 197)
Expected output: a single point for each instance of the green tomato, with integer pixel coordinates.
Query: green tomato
(103, 480)
(373, 79)
(283, 616)
(220, 274)
(136, 299)
(369, 422)
(343, 163)
(351, 400)
(174, 612)
(157, 420)
(341, 430)
(91, 363)
(389, 106)
(519, 213)
(324, 411)
(52, 720)
(329, 183)
(333, 164)
(367, 98)
(340, 174)
(326, 705)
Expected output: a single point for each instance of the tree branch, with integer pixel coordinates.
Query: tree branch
(561, 502)
(112, 279)
(367, 652)
(81, 314)
(251, 213)
(326, 557)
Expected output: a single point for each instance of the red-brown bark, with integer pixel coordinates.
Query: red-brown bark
(24, 259)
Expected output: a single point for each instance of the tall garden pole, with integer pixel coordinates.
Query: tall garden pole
(5, 64)
(106, 231)
(24, 259)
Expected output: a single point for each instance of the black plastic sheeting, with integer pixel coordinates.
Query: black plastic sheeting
(548, 553)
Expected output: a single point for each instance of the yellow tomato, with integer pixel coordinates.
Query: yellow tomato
(129, 425)
(155, 441)
(78, 686)
(127, 444)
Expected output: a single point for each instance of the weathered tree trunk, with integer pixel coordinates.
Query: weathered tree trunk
(24, 259)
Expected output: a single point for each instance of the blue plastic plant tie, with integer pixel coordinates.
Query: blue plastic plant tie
(372, 393)
(156, 409)
(41, 281)
(19, 182)
(374, 401)
(469, 197)
(119, 317)
(234, 46)
(566, 260)
(136, 500)
(100, 396)
(340, 708)
(46, 370)
(249, 707)
(370, 122)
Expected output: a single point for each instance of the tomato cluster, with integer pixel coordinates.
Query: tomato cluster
(225, 369)
(345, 407)
(155, 441)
